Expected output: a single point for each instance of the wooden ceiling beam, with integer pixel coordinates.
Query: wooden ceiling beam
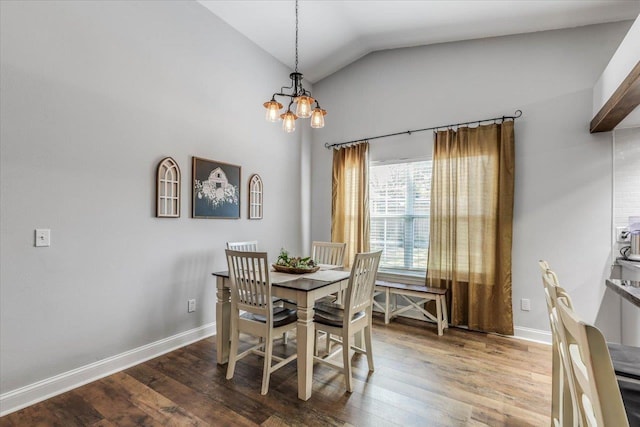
(623, 101)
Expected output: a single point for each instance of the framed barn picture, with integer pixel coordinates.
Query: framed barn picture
(215, 189)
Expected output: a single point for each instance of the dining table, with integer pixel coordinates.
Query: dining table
(304, 290)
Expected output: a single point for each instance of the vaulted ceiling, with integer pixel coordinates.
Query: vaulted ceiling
(332, 34)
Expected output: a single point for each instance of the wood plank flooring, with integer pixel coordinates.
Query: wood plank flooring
(460, 379)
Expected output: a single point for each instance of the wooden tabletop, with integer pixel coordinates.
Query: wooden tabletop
(300, 282)
(628, 289)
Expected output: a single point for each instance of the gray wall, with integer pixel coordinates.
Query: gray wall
(94, 95)
(563, 176)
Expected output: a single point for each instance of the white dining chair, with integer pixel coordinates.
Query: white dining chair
(328, 253)
(598, 394)
(564, 411)
(252, 246)
(249, 246)
(342, 322)
(251, 293)
(625, 359)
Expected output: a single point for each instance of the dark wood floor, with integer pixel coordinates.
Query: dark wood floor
(460, 379)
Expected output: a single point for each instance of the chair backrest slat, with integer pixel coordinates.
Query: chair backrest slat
(330, 253)
(359, 294)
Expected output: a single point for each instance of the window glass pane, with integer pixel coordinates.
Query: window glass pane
(399, 209)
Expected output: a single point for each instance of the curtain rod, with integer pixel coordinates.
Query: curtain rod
(516, 115)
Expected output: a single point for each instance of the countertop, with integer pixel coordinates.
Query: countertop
(633, 265)
(628, 289)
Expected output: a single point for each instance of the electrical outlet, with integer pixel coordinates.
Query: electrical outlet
(622, 234)
(43, 237)
(525, 304)
(191, 305)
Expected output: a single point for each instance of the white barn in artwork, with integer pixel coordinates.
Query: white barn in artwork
(218, 178)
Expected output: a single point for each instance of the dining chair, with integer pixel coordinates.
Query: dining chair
(251, 293)
(328, 253)
(342, 322)
(625, 360)
(331, 255)
(252, 246)
(249, 246)
(563, 403)
(597, 390)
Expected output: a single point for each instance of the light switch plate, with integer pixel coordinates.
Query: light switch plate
(43, 237)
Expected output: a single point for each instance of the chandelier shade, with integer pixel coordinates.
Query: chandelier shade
(317, 118)
(273, 110)
(300, 96)
(303, 108)
(288, 121)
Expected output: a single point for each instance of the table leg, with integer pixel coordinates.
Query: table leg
(305, 337)
(223, 320)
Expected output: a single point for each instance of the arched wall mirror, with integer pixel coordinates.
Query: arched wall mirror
(255, 197)
(168, 189)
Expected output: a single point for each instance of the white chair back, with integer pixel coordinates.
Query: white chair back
(328, 253)
(359, 293)
(250, 284)
(564, 403)
(600, 402)
(249, 246)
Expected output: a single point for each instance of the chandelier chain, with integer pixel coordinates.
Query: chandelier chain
(296, 36)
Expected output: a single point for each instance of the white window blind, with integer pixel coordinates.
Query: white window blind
(399, 196)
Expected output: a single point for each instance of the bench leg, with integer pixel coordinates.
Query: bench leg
(439, 314)
(445, 317)
(387, 295)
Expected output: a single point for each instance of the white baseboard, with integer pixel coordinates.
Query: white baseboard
(47, 388)
(519, 332)
(529, 334)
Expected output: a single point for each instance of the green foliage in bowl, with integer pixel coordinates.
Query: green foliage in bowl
(294, 262)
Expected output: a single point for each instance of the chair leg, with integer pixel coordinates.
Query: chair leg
(347, 342)
(233, 353)
(266, 372)
(367, 341)
(316, 337)
(284, 338)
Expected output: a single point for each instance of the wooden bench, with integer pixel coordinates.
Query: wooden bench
(407, 292)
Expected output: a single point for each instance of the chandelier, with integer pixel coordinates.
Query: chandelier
(300, 96)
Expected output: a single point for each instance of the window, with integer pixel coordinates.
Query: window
(399, 195)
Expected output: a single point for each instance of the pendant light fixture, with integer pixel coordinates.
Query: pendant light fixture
(300, 96)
